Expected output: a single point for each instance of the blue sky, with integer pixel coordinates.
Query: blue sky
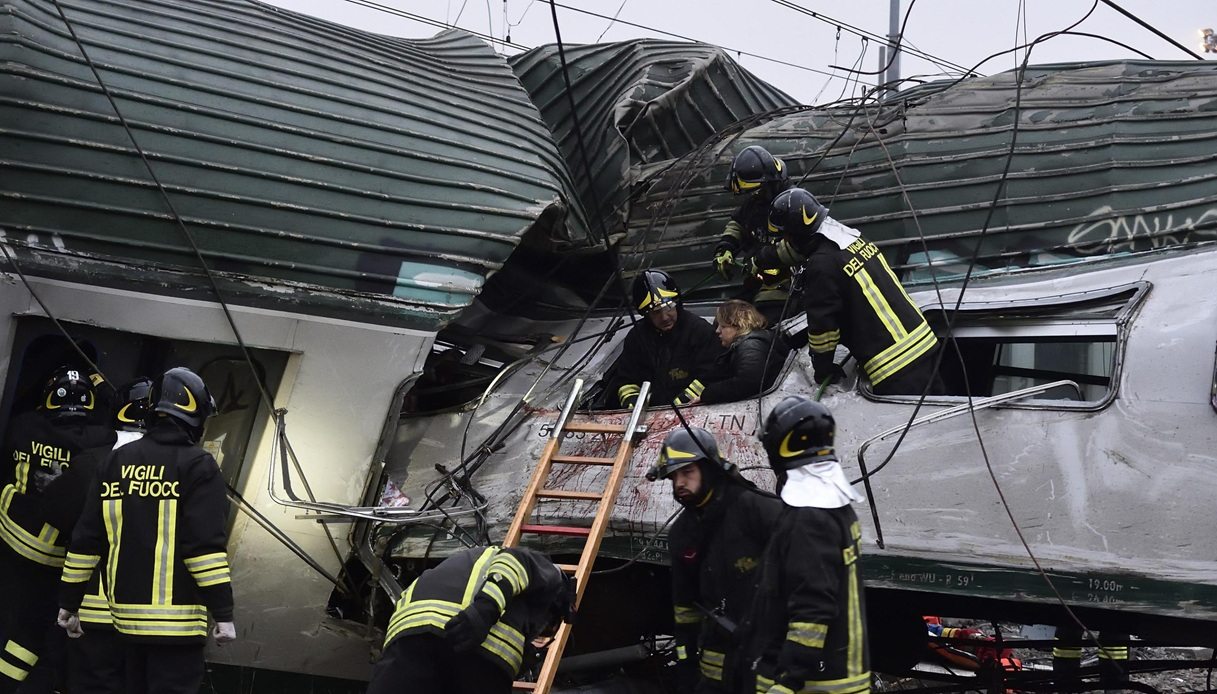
(959, 31)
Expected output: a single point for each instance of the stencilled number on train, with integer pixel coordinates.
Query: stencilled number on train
(1104, 584)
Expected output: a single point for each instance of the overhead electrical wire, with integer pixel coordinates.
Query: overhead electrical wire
(1157, 32)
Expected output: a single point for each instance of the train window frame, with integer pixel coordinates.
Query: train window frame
(1092, 317)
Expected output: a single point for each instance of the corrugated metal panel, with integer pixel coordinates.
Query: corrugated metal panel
(298, 151)
(638, 102)
(1111, 157)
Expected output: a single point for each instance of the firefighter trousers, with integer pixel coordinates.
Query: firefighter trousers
(425, 664)
(97, 663)
(29, 593)
(154, 668)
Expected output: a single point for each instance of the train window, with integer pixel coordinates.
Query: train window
(999, 347)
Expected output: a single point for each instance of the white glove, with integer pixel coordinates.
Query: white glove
(70, 623)
(224, 632)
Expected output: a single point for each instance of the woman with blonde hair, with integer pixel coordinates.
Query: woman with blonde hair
(751, 363)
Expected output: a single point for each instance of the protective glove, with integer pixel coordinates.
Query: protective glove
(44, 476)
(470, 626)
(225, 632)
(724, 263)
(70, 623)
(691, 395)
(825, 368)
(627, 395)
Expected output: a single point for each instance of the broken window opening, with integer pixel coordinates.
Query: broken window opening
(1000, 347)
(452, 378)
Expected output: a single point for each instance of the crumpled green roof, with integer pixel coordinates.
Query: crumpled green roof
(349, 170)
(1110, 157)
(638, 102)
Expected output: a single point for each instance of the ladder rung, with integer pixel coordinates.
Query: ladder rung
(564, 494)
(595, 427)
(524, 686)
(568, 568)
(570, 530)
(582, 460)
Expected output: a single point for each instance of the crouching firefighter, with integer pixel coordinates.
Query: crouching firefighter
(716, 546)
(806, 631)
(462, 627)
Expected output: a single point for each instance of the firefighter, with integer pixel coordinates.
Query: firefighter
(671, 348)
(857, 302)
(716, 545)
(806, 631)
(157, 512)
(761, 176)
(96, 663)
(42, 445)
(463, 626)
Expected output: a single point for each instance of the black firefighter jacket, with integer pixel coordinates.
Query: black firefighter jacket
(437, 595)
(670, 361)
(157, 514)
(807, 628)
(858, 301)
(747, 368)
(715, 555)
(746, 233)
(39, 452)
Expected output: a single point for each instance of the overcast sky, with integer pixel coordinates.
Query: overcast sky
(962, 32)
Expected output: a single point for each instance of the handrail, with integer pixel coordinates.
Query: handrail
(567, 409)
(981, 404)
(640, 407)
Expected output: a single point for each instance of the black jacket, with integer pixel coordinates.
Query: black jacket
(715, 554)
(40, 451)
(747, 368)
(858, 301)
(533, 583)
(158, 513)
(745, 235)
(670, 361)
(807, 627)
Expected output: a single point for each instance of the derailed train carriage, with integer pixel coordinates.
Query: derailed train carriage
(420, 286)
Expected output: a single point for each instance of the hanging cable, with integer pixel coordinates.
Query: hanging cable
(612, 21)
(1146, 25)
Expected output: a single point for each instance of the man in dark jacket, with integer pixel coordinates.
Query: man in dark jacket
(716, 545)
(42, 446)
(760, 176)
(806, 631)
(670, 347)
(855, 299)
(462, 627)
(158, 513)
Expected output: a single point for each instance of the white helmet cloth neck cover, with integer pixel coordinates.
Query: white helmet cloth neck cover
(818, 485)
(838, 233)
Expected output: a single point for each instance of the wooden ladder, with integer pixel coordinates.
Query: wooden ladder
(605, 499)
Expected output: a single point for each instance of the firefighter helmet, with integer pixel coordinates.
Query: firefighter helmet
(684, 447)
(135, 403)
(796, 215)
(799, 431)
(754, 170)
(184, 396)
(654, 289)
(68, 394)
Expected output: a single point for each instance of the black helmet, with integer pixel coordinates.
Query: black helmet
(135, 403)
(796, 215)
(754, 169)
(685, 447)
(654, 289)
(184, 396)
(68, 394)
(797, 432)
